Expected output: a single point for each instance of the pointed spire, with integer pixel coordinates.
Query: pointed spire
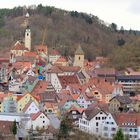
(79, 51)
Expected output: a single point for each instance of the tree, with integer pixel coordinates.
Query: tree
(119, 135)
(120, 42)
(14, 128)
(65, 127)
(122, 30)
(2, 22)
(114, 27)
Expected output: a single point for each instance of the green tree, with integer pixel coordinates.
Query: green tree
(65, 127)
(119, 135)
(114, 27)
(2, 22)
(120, 42)
(14, 128)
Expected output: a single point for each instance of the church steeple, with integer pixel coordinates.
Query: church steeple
(79, 57)
(28, 38)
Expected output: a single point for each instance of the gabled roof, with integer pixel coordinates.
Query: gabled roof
(19, 46)
(49, 96)
(69, 68)
(65, 94)
(93, 110)
(105, 71)
(54, 69)
(20, 97)
(127, 119)
(61, 59)
(30, 54)
(66, 80)
(5, 127)
(40, 87)
(74, 108)
(34, 116)
(122, 99)
(27, 105)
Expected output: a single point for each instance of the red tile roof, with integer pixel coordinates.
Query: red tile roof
(30, 54)
(61, 59)
(69, 68)
(27, 105)
(19, 46)
(74, 108)
(5, 128)
(34, 116)
(127, 119)
(66, 80)
(105, 71)
(40, 87)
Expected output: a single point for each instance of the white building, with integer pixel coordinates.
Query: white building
(128, 122)
(39, 120)
(54, 55)
(92, 121)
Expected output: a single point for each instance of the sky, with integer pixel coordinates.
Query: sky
(124, 13)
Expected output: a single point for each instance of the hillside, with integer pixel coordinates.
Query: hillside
(65, 30)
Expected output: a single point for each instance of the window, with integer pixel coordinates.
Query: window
(113, 129)
(43, 121)
(105, 128)
(106, 134)
(96, 129)
(97, 123)
(79, 58)
(113, 135)
(135, 130)
(96, 93)
(112, 122)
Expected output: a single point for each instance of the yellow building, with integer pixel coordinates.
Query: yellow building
(79, 57)
(22, 101)
(136, 105)
(97, 95)
(120, 103)
(2, 96)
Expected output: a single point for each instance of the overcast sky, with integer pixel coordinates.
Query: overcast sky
(122, 12)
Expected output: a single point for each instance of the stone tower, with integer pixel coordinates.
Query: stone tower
(79, 57)
(28, 38)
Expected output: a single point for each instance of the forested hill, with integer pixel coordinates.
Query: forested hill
(65, 30)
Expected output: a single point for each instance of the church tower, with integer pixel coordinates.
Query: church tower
(79, 57)
(28, 38)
